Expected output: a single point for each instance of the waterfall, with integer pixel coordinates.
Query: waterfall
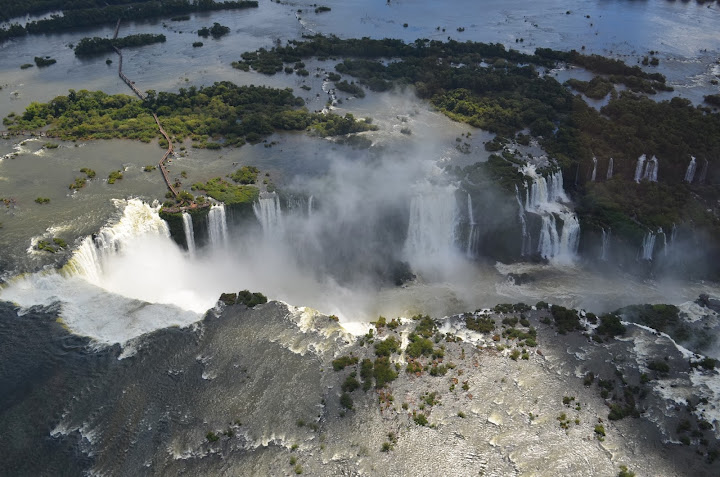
(138, 219)
(267, 210)
(473, 233)
(594, 171)
(310, 206)
(549, 244)
(690, 172)
(639, 168)
(651, 170)
(605, 248)
(646, 253)
(546, 198)
(431, 229)
(610, 169)
(217, 225)
(525, 247)
(665, 243)
(703, 173)
(189, 233)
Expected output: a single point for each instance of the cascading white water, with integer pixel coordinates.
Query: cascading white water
(594, 171)
(651, 170)
(268, 212)
(610, 169)
(138, 218)
(525, 247)
(430, 239)
(189, 232)
(545, 198)
(673, 235)
(473, 233)
(648, 245)
(549, 244)
(665, 242)
(703, 173)
(605, 247)
(217, 225)
(639, 168)
(690, 172)
(310, 206)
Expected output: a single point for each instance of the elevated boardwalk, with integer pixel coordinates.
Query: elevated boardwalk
(142, 96)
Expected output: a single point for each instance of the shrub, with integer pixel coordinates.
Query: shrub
(387, 346)
(42, 200)
(249, 299)
(346, 401)
(420, 419)
(343, 361)
(114, 176)
(212, 437)
(197, 44)
(350, 384)
(659, 366)
(480, 324)
(610, 325)
(383, 372)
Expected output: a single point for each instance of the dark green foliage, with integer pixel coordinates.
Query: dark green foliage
(350, 88)
(96, 45)
(334, 76)
(665, 318)
(420, 419)
(387, 346)
(344, 361)
(624, 472)
(212, 437)
(42, 200)
(249, 299)
(197, 44)
(41, 62)
(480, 324)
(216, 31)
(88, 172)
(659, 366)
(351, 383)
(438, 370)
(414, 367)
(114, 176)
(346, 401)
(78, 184)
(245, 175)
(565, 319)
(419, 346)
(597, 88)
(610, 325)
(228, 298)
(322, 8)
(713, 99)
(383, 372)
(366, 373)
(426, 326)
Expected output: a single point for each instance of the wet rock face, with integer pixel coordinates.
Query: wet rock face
(256, 392)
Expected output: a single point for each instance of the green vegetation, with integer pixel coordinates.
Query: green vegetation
(245, 297)
(149, 168)
(480, 324)
(245, 175)
(42, 200)
(114, 176)
(216, 31)
(664, 318)
(350, 88)
(321, 9)
(226, 192)
(565, 319)
(88, 172)
(78, 184)
(344, 361)
(713, 99)
(212, 437)
(235, 113)
(610, 325)
(42, 62)
(25, 66)
(624, 472)
(96, 45)
(351, 383)
(420, 419)
(346, 401)
(383, 372)
(197, 44)
(387, 347)
(659, 366)
(51, 145)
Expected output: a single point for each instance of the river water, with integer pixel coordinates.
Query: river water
(682, 33)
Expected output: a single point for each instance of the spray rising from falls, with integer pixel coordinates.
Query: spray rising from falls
(430, 239)
(267, 210)
(594, 171)
(217, 225)
(189, 232)
(473, 233)
(690, 172)
(546, 198)
(610, 169)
